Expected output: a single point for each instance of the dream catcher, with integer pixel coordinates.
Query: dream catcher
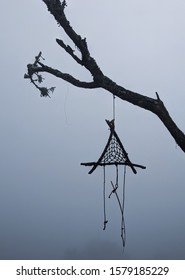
(114, 154)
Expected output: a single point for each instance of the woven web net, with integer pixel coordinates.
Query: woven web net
(114, 153)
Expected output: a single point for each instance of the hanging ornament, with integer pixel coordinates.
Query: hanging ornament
(114, 154)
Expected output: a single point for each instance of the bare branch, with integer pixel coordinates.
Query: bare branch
(156, 106)
(32, 69)
(158, 98)
(44, 91)
(69, 50)
(57, 10)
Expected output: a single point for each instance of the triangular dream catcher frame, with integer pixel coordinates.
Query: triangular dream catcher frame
(115, 154)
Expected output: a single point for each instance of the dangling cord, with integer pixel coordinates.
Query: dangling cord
(121, 206)
(123, 230)
(104, 204)
(117, 182)
(114, 107)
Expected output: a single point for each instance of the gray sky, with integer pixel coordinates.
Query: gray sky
(50, 207)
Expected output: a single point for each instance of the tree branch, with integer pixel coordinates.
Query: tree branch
(156, 106)
(69, 50)
(32, 69)
(56, 8)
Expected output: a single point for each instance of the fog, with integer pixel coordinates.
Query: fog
(51, 208)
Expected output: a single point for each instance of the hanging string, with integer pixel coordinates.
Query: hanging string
(121, 205)
(104, 200)
(115, 187)
(123, 229)
(117, 176)
(122, 217)
(114, 107)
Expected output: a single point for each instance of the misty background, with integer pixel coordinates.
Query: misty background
(50, 207)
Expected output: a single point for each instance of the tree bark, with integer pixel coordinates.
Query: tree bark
(99, 80)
